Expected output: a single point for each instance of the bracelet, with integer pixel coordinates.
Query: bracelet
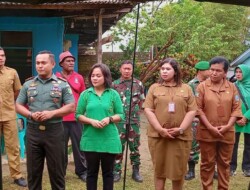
(30, 116)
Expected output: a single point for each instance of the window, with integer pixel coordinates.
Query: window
(18, 50)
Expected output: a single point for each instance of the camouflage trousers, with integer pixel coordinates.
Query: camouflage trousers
(195, 149)
(133, 143)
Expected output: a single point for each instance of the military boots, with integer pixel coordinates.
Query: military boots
(191, 171)
(136, 174)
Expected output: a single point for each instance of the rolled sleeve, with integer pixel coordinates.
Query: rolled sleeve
(236, 108)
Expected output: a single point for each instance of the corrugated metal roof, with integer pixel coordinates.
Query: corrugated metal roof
(68, 2)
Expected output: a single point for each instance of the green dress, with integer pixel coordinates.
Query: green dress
(98, 107)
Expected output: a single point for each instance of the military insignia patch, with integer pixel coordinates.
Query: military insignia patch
(237, 98)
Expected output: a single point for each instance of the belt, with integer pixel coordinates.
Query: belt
(43, 127)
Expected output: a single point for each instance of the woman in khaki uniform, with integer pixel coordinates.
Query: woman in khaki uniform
(218, 108)
(170, 108)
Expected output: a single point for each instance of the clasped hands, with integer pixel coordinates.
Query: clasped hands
(42, 116)
(169, 133)
(100, 124)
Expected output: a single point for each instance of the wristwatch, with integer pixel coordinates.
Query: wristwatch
(111, 119)
(181, 131)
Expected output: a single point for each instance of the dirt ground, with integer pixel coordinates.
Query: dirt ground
(145, 156)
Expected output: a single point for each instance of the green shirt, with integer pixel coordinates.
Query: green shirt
(98, 107)
(41, 95)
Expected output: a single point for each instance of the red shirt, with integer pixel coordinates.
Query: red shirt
(77, 85)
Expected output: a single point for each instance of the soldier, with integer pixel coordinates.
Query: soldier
(44, 95)
(123, 87)
(218, 109)
(9, 88)
(202, 68)
(72, 128)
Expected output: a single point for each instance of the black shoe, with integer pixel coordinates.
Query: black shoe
(83, 177)
(246, 173)
(232, 173)
(136, 174)
(215, 175)
(117, 177)
(20, 182)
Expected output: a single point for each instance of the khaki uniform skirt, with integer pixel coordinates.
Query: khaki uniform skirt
(170, 157)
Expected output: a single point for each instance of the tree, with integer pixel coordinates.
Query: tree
(197, 31)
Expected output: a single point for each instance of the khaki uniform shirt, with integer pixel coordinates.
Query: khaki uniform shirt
(160, 96)
(218, 106)
(41, 95)
(9, 84)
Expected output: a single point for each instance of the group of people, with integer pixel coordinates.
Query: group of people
(201, 117)
(58, 107)
(184, 120)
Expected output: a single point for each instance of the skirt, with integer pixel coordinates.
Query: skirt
(169, 157)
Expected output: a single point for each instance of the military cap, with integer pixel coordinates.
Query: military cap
(202, 65)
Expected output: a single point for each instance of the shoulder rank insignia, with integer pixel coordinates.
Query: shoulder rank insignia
(63, 79)
(30, 78)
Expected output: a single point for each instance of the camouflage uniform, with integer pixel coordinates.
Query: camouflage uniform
(123, 87)
(195, 149)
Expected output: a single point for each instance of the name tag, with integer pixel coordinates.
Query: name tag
(171, 107)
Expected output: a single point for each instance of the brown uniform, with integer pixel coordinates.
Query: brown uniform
(218, 106)
(9, 84)
(170, 157)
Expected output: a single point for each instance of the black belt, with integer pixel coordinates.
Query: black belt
(43, 127)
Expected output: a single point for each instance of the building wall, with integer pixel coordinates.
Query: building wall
(47, 33)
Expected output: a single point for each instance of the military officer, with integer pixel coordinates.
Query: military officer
(123, 87)
(40, 100)
(202, 74)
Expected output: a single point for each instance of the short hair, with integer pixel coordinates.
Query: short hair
(106, 74)
(220, 60)
(51, 55)
(1, 48)
(177, 70)
(126, 62)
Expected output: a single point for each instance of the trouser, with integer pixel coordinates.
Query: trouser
(45, 142)
(246, 152)
(107, 165)
(211, 153)
(73, 130)
(10, 132)
(133, 142)
(195, 148)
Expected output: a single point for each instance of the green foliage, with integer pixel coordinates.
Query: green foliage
(202, 29)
